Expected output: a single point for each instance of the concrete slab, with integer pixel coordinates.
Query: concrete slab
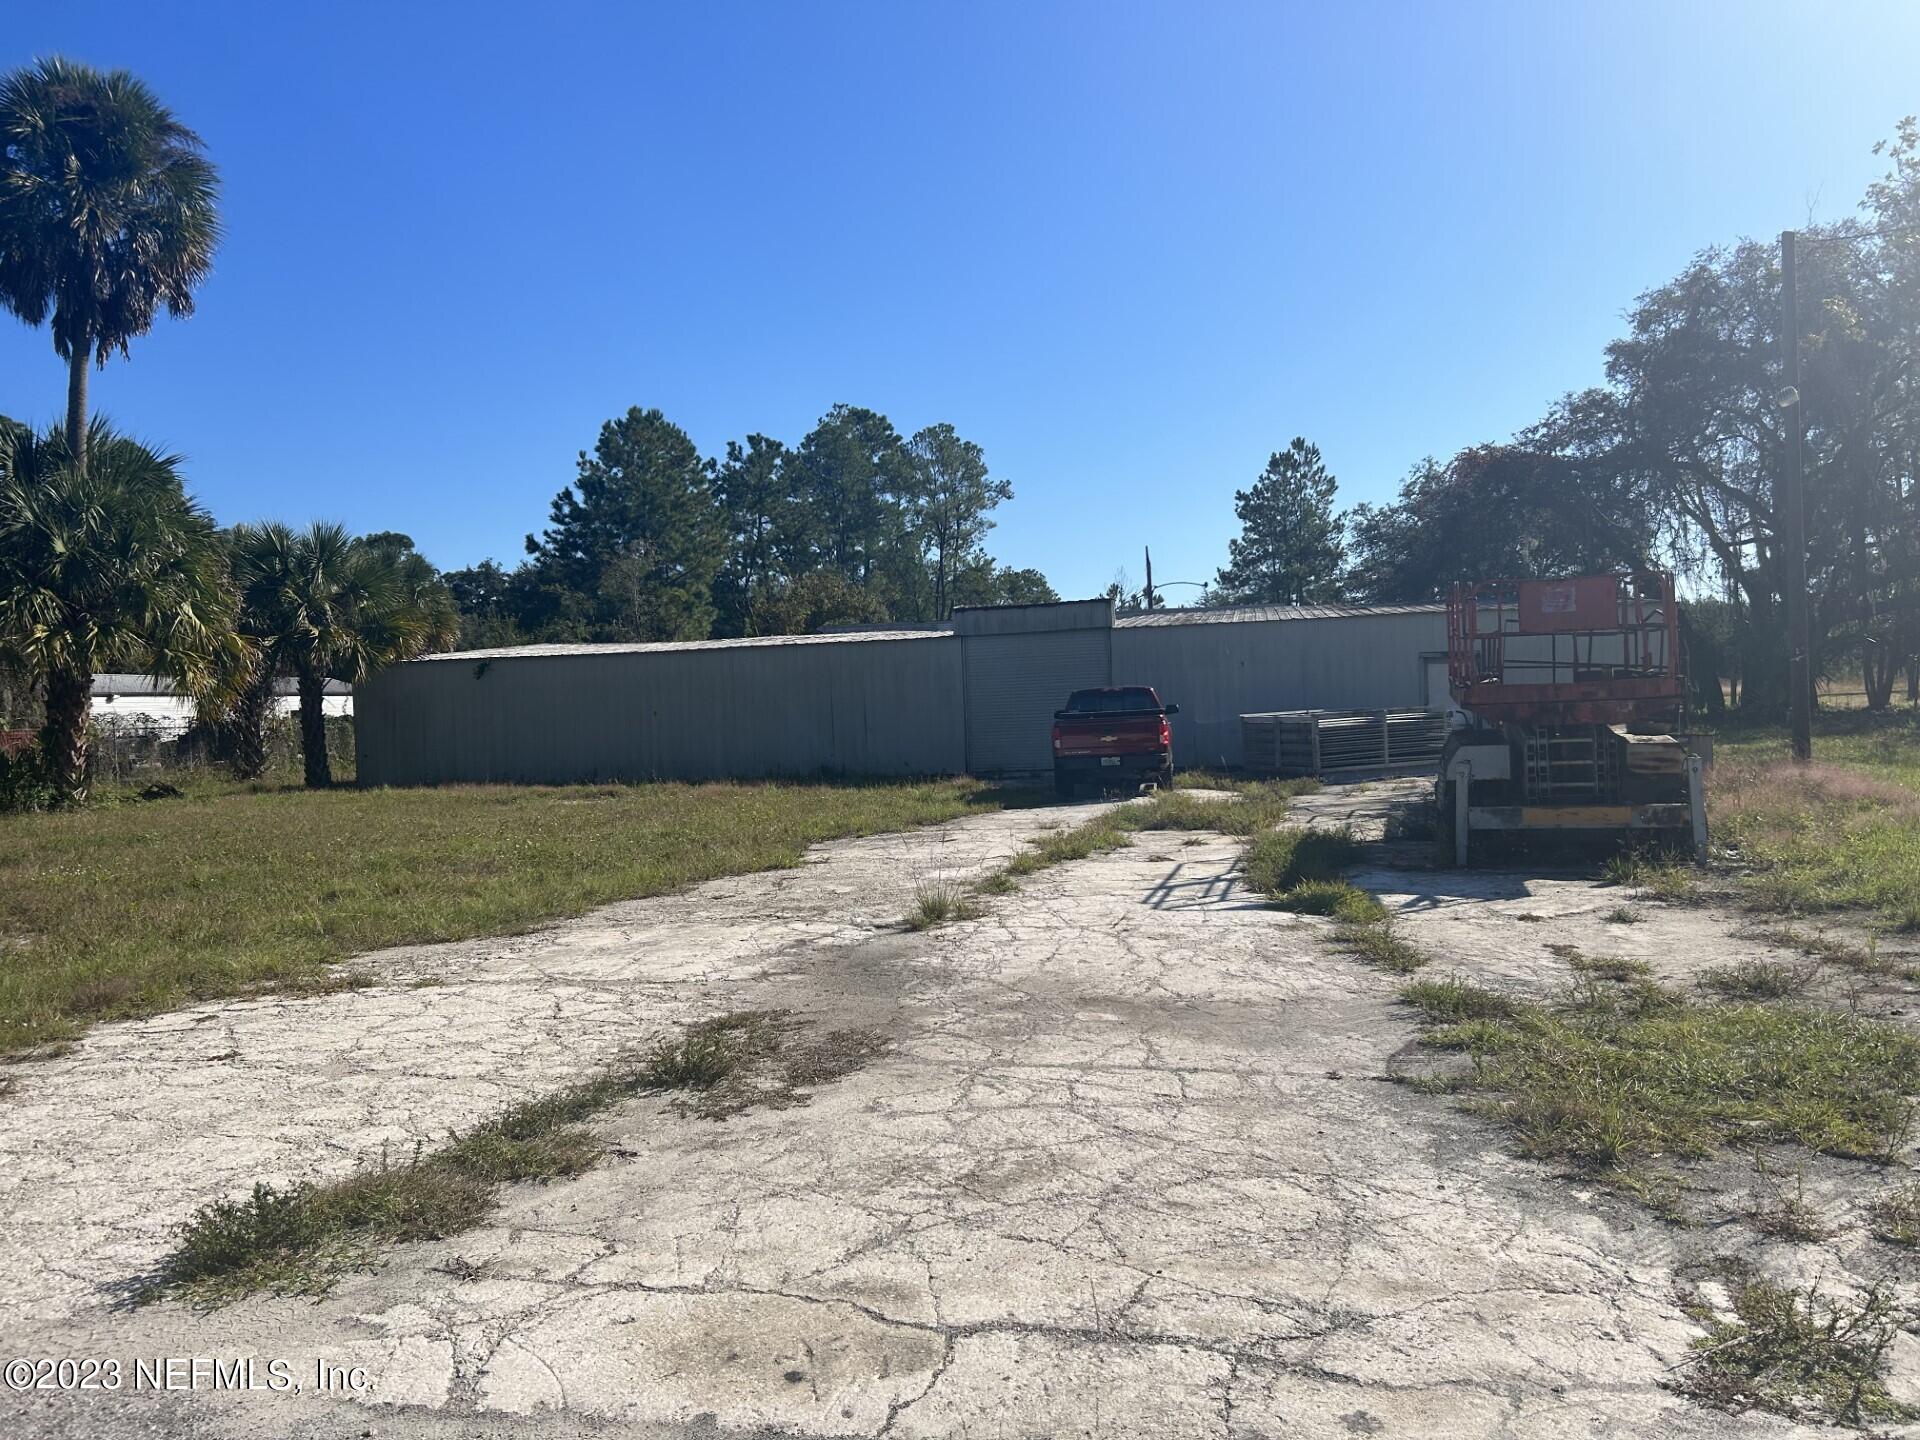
(1133, 1166)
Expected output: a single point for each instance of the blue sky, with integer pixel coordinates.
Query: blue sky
(1129, 249)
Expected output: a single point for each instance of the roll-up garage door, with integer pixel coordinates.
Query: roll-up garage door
(1015, 683)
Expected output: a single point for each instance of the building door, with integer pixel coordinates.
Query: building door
(1435, 669)
(1015, 682)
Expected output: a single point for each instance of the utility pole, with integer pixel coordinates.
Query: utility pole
(1147, 595)
(1792, 520)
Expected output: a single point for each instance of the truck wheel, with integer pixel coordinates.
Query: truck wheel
(1166, 778)
(1063, 785)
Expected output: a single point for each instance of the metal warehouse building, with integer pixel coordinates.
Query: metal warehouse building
(976, 697)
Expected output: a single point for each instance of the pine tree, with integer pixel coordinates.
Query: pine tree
(637, 536)
(1291, 544)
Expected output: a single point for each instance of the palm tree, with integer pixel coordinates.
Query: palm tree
(320, 605)
(109, 567)
(107, 213)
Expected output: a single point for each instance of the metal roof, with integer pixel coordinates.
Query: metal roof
(846, 637)
(1212, 615)
(1252, 614)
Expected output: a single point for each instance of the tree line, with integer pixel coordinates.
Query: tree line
(109, 215)
(1676, 459)
(854, 525)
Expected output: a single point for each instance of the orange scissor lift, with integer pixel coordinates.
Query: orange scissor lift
(1570, 712)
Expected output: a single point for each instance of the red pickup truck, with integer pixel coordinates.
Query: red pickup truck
(1113, 736)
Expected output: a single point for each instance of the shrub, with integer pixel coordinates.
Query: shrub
(25, 783)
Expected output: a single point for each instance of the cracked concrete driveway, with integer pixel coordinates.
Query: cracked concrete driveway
(1131, 1167)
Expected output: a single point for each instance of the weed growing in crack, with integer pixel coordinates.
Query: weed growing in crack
(1783, 1214)
(1602, 967)
(697, 1060)
(1796, 1352)
(1623, 915)
(1452, 998)
(1374, 942)
(1865, 960)
(1895, 1216)
(1663, 880)
(936, 902)
(1756, 980)
(298, 1239)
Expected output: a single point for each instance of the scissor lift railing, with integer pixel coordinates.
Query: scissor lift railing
(1597, 650)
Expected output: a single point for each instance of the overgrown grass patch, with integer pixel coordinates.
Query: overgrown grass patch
(1279, 860)
(298, 1239)
(1337, 899)
(1797, 1352)
(1620, 1074)
(1841, 833)
(1256, 806)
(123, 910)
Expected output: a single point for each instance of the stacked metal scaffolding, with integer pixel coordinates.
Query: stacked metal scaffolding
(1322, 742)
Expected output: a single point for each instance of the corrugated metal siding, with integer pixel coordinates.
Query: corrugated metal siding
(877, 707)
(1217, 673)
(902, 704)
(1014, 684)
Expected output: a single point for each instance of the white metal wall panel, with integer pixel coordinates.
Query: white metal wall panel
(1014, 683)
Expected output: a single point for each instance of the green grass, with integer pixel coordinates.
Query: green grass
(1337, 899)
(1755, 980)
(1451, 998)
(1621, 1074)
(1840, 834)
(1661, 878)
(126, 909)
(1257, 805)
(1796, 1352)
(299, 1239)
(1279, 860)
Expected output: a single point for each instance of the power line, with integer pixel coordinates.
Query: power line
(1880, 234)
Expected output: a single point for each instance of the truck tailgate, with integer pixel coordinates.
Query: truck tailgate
(1108, 734)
